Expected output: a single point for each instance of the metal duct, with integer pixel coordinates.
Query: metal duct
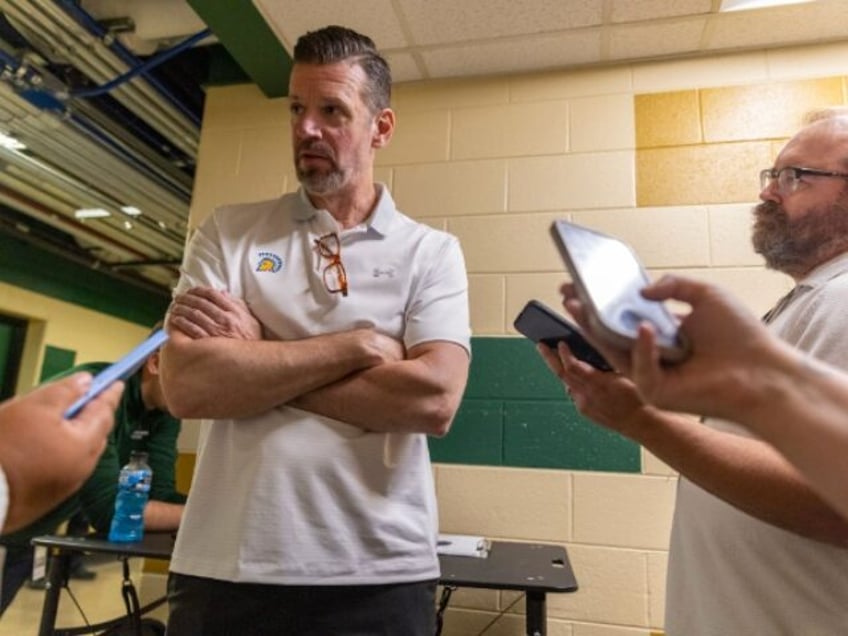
(79, 155)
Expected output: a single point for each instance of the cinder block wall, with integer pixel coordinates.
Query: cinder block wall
(664, 155)
(65, 325)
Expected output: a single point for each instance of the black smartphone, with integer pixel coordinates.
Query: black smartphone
(540, 323)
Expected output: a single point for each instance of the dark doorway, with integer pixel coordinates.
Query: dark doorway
(12, 336)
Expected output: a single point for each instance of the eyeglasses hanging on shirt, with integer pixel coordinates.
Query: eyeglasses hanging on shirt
(329, 247)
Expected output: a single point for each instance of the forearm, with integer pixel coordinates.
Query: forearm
(800, 408)
(228, 378)
(160, 515)
(746, 473)
(419, 395)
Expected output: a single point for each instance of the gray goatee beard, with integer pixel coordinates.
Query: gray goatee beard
(315, 182)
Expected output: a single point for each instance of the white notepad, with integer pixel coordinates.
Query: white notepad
(463, 545)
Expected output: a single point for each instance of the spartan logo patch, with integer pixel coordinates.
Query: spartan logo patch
(269, 262)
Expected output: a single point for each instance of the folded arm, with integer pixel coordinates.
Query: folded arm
(746, 473)
(161, 515)
(746, 374)
(419, 394)
(219, 377)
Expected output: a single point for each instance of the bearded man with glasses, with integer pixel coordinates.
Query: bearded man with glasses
(754, 549)
(325, 335)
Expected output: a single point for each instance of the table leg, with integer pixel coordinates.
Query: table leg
(60, 566)
(535, 614)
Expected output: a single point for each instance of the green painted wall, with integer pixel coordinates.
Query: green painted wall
(26, 266)
(516, 413)
(56, 360)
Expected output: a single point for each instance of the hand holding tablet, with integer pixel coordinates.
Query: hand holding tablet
(608, 279)
(120, 370)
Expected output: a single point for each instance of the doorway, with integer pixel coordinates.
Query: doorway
(12, 336)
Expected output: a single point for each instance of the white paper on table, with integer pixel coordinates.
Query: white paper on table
(463, 545)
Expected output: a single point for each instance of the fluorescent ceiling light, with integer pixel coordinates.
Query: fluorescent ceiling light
(7, 141)
(742, 5)
(91, 213)
(130, 210)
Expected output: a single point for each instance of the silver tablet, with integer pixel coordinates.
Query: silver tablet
(608, 279)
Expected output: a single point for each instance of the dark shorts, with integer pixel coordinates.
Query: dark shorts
(208, 607)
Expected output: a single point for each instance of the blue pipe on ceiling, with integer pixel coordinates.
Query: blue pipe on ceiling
(146, 66)
(85, 20)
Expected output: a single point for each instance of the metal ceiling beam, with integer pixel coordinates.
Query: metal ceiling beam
(246, 36)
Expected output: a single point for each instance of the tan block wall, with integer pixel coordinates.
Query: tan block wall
(494, 160)
(94, 336)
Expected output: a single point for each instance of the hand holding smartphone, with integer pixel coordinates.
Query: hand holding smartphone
(540, 323)
(120, 370)
(608, 279)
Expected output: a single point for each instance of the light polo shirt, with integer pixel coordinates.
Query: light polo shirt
(291, 497)
(4, 499)
(729, 573)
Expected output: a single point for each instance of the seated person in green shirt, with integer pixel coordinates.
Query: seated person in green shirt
(141, 423)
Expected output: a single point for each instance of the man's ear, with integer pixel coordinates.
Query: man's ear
(384, 128)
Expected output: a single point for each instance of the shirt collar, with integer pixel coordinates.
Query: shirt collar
(379, 220)
(836, 266)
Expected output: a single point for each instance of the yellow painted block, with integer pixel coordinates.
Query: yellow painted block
(449, 93)
(453, 188)
(266, 150)
(578, 181)
(241, 106)
(667, 119)
(765, 111)
(486, 298)
(184, 471)
(544, 86)
(156, 566)
(510, 130)
(418, 138)
(601, 123)
(646, 502)
(730, 236)
(522, 504)
(510, 243)
(691, 175)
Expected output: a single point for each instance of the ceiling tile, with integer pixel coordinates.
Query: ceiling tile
(450, 21)
(292, 18)
(815, 21)
(646, 40)
(513, 56)
(639, 10)
(404, 67)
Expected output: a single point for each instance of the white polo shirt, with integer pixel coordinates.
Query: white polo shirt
(291, 497)
(730, 573)
(4, 498)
